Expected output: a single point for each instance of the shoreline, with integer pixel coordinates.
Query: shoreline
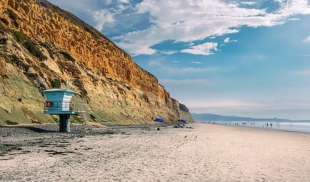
(259, 128)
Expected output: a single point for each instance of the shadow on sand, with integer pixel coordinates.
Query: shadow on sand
(38, 130)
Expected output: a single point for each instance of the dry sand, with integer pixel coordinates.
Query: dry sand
(205, 153)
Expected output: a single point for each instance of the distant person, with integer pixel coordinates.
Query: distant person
(267, 125)
(271, 125)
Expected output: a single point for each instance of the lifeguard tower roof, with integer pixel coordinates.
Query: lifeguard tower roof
(61, 90)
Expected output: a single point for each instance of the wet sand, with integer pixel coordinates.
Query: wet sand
(205, 153)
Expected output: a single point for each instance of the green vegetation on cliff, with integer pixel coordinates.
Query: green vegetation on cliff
(55, 49)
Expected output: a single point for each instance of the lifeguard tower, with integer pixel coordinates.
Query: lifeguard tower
(59, 102)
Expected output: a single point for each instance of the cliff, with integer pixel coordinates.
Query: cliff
(40, 43)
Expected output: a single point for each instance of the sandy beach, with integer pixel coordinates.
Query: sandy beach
(204, 153)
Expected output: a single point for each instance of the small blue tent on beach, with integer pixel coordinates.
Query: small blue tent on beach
(159, 120)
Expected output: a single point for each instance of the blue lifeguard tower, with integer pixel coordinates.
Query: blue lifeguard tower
(59, 102)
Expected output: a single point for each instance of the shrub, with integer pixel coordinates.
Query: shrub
(34, 50)
(14, 17)
(145, 98)
(183, 108)
(49, 48)
(8, 122)
(4, 22)
(29, 45)
(18, 62)
(56, 83)
(20, 37)
(3, 70)
(67, 56)
(2, 26)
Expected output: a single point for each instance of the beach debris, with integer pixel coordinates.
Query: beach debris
(181, 123)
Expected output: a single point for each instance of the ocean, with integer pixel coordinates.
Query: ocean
(285, 126)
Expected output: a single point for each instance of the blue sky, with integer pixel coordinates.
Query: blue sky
(236, 57)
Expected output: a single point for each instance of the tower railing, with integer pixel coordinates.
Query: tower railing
(64, 107)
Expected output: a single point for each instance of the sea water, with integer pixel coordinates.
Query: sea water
(286, 126)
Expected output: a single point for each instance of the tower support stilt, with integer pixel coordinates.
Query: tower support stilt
(64, 123)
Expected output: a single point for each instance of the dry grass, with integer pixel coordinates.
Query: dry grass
(3, 71)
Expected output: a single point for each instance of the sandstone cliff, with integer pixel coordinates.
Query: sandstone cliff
(40, 43)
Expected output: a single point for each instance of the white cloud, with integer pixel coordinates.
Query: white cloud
(102, 14)
(305, 72)
(294, 19)
(228, 40)
(179, 21)
(249, 3)
(191, 70)
(192, 20)
(102, 18)
(196, 62)
(202, 49)
(124, 1)
(307, 39)
(155, 64)
(173, 71)
(168, 52)
(222, 104)
(185, 82)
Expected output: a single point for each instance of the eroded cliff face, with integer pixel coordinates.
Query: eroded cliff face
(40, 43)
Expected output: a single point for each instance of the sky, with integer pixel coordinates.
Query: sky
(232, 57)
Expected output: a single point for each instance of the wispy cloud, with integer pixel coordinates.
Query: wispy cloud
(196, 62)
(102, 18)
(304, 72)
(180, 21)
(294, 19)
(249, 3)
(307, 39)
(168, 52)
(222, 104)
(170, 70)
(228, 40)
(202, 49)
(185, 82)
